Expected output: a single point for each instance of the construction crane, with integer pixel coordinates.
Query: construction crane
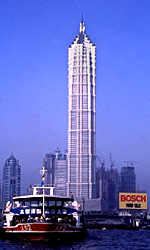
(101, 162)
(111, 161)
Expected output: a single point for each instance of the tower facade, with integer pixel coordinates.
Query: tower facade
(81, 116)
(11, 179)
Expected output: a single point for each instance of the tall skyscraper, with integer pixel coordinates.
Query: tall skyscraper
(81, 116)
(11, 179)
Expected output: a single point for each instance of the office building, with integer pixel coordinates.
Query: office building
(128, 179)
(81, 116)
(11, 179)
(49, 164)
(56, 171)
(61, 174)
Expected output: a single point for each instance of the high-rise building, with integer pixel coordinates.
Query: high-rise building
(56, 171)
(81, 116)
(128, 179)
(108, 182)
(61, 174)
(49, 164)
(11, 179)
(113, 182)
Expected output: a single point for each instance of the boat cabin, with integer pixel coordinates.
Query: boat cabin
(43, 206)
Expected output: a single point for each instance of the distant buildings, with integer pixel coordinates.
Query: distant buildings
(128, 179)
(56, 174)
(113, 178)
(81, 116)
(108, 182)
(49, 164)
(11, 179)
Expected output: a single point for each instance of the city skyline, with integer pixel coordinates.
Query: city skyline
(33, 89)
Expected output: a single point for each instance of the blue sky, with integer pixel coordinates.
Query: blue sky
(34, 38)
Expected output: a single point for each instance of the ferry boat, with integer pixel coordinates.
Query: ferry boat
(42, 216)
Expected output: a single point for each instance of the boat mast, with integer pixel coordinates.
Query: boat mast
(42, 185)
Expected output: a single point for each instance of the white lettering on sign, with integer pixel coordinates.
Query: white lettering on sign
(27, 211)
(21, 211)
(26, 227)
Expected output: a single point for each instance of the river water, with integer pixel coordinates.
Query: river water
(95, 240)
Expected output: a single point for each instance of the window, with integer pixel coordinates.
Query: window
(74, 102)
(84, 70)
(85, 78)
(74, 70)
(73, 120)
(85, 119)
(85, 102)
(74, 79)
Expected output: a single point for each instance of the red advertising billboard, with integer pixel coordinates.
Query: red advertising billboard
(132, 201)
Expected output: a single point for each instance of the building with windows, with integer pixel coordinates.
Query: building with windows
(107, 186)
(128, 179)
(61, 174)
(49, 164)
(81, 116)
(56, 171)
(11, 179)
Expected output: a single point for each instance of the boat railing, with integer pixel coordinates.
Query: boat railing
(49, 188)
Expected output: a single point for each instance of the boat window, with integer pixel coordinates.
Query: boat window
(52, 211)
(64, 211)
(27, 203)
(51, 203)
(47, 212)
(66, 204)
(41, 203)
(23, 204)
(58, 203)
(34, 203)
(58, 211)
(38, 211)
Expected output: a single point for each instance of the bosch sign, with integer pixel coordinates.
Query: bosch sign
(132, 201)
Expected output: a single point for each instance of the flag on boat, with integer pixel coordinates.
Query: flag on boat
(43, 180)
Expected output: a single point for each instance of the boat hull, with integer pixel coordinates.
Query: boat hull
(42, 231)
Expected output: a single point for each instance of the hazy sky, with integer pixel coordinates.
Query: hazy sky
(34, 39)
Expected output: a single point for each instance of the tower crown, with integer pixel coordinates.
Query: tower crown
(82, 27)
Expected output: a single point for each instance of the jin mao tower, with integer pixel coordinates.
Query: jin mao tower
(81, 116)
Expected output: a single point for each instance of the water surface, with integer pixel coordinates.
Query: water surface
(95, 240)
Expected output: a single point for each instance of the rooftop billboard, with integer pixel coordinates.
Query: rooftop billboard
(132, 200)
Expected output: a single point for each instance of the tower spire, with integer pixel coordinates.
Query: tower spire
(82, 18)
(82, 25)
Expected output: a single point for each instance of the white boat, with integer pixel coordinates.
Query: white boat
(42, 216)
